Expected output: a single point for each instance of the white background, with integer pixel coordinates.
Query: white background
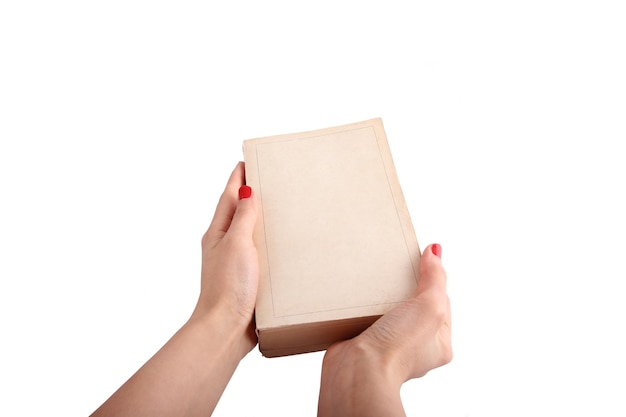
(120, 122)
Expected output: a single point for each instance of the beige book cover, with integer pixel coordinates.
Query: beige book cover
(336, 245)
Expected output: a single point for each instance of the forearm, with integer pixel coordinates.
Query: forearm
(354, 384)
(186, 377)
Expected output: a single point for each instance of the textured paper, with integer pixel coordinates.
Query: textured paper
(336, 244)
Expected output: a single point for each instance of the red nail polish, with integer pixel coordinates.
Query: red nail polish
(436, 248)
(244, 192)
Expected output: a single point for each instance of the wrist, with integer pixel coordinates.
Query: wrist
(359, 359)
(358, 380)
(236, 335)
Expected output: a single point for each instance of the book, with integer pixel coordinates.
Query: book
(337, 248)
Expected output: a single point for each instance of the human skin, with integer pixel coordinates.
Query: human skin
(362, 376)
(188, 375)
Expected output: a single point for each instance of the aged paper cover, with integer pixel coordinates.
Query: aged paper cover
(334, 235)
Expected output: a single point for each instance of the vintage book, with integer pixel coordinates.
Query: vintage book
(336, 245)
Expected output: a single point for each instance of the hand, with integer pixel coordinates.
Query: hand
(230, 272)
(363, 376)
(189, 373)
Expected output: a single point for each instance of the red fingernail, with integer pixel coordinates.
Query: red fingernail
(244, 192)
(436, 248)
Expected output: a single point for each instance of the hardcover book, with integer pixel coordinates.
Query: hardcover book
(336, 245)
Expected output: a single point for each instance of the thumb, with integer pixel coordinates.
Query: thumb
(245, 215)
(432, 274)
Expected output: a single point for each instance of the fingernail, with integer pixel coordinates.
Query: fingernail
(436, 248)
(244, 192)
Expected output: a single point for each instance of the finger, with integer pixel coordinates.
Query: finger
(245, 216)
(432, 273)
(227, 204)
